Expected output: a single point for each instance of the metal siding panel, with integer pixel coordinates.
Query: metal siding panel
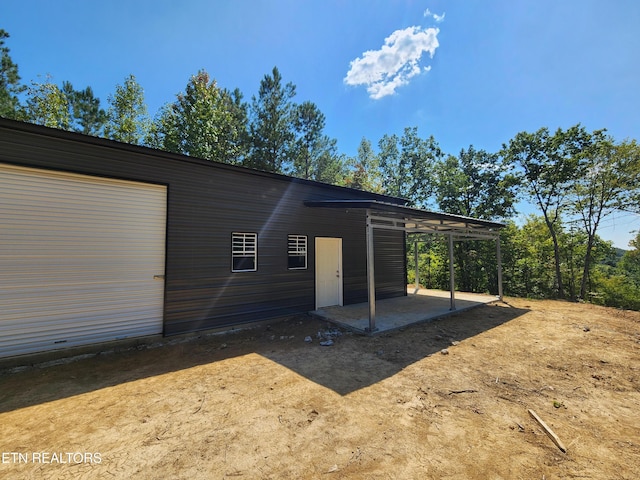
(389, 263)
(203, 292)
(78, 256)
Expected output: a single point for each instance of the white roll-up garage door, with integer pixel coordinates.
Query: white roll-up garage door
(82, 259)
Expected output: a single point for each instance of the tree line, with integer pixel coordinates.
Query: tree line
(576, 179)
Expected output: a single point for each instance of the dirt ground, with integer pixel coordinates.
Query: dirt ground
(265, 404)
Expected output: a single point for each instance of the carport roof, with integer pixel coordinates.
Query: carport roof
(390, 216)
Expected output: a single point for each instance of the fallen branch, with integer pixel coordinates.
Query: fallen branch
(200, 407)
(452, 392)
(548, 431)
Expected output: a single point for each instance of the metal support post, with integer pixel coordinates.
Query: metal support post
(499, 258)
(452, 280)
(416, 256)
(371, 279)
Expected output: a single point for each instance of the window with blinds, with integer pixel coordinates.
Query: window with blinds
(297, 252)
(244, 252)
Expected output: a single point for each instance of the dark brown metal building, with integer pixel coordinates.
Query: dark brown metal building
(101, 241)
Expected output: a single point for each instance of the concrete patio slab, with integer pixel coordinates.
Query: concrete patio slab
(395, 313)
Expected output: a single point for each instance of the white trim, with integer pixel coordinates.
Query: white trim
(244, 245)
(297, 247)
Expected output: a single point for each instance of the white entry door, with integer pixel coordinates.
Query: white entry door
(328, 271)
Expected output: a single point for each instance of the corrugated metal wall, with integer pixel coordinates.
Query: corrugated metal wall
(206, 203)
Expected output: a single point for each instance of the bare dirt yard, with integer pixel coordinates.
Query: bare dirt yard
(263, 403)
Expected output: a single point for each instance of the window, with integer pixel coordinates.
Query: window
(297, 248)
(244, 252)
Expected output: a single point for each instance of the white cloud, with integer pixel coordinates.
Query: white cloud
(435, 16)
(397, 61)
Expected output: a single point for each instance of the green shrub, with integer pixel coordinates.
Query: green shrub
(617, 291)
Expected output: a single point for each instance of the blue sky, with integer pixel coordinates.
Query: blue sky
(465, 71)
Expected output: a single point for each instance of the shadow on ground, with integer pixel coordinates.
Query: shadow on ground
(355, 362)
(352, 363)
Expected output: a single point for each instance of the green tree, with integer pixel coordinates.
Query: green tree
(363, 170)
(162, 134)
(573, 242)
(630, 262)
(10, 86)
(394, 172)
(620, 286)
(406, 164)
(308, 122)
(328, 166)
(47, 105)
(514, 278)
(475, 184)
(617, 291)
(628, 152)
(548, 166)
(271, 124)
(537, 258)
(205, 122)
(607, 177)
(240, 123)
(84, 110)
(127, 117)
(433, 261)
